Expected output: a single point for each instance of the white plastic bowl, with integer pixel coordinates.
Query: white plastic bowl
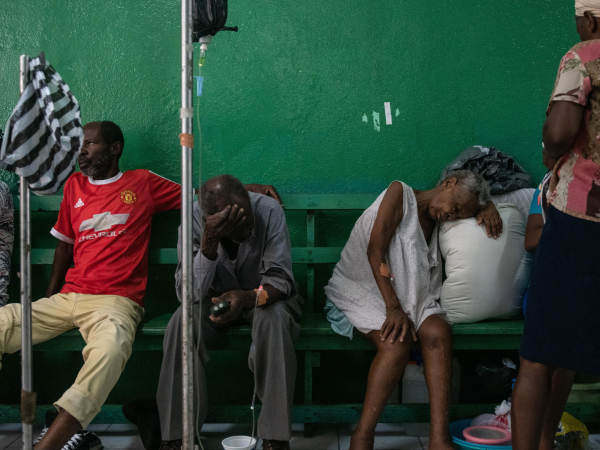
(238, 443)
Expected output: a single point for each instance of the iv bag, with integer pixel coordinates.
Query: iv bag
(209, 18)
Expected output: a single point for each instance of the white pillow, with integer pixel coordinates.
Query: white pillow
(487, 278)
(521, 198)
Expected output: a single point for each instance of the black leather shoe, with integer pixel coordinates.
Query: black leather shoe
(275, 445)
(144, 414)
(171, 445)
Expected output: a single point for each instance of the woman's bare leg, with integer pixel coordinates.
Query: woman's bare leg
(530, 401)
(386, 370)
(435, 336)
(562, 382)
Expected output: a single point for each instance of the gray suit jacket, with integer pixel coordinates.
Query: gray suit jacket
(263, 259)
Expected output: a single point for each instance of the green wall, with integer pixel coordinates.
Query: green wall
(283, 103)
(284, 98)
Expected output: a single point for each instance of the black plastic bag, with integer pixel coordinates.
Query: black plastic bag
(209, 18)
(499, 169)
(489, 381)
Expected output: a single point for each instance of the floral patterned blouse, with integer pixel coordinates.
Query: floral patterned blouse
(578, 81)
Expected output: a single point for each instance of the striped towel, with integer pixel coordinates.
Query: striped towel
(44, 133)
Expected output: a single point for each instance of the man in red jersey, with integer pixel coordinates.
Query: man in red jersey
(103, 230)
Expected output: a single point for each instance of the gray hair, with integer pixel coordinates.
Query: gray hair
(473, 184)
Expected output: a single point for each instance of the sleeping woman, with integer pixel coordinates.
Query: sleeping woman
(387, 285)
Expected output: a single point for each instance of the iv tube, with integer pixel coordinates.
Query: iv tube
(202, 56)
(201, 60)
(204, 41)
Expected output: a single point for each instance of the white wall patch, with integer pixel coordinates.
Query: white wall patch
(365, 119)
(376, 126)
(388, 113)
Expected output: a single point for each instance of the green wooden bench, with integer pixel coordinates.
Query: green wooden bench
(317, 335)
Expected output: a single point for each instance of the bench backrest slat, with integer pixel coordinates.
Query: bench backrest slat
(327, 201)
(300, 255)
(291, 202)
(309, 255)
(40, 203)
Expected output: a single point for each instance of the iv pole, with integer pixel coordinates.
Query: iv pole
(186, 224)
(25, 231)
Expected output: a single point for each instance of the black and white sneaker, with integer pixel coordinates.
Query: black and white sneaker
(82, 440)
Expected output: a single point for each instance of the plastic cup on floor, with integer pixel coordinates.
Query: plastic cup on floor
(239, 443)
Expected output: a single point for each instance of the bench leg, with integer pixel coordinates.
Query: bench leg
(308, 370)
(311, 359)
(309, 430)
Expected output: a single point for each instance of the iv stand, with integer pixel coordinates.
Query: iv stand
(25, 231)
(186, 226)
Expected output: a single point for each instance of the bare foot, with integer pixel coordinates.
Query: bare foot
(444, 443)
(362, 441)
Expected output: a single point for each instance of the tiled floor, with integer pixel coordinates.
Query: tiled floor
(326, 437)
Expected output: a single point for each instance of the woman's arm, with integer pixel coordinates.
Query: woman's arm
(490, 218)
(533, 231)
(389, 216)
(561, 127)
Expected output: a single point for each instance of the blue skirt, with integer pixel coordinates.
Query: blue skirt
(563, 311)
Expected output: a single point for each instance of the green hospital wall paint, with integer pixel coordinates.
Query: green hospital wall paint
(284, 98)
(283, 103)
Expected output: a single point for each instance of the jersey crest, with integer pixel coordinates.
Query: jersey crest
(128, 197)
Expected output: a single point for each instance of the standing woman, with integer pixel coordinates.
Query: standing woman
(561, 331)
(387, 285)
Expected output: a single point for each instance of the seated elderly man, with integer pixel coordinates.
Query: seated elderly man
(240, 242)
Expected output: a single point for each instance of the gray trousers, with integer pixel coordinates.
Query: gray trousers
(272, 358)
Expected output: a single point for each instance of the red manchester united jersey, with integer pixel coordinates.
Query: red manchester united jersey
(108, 221)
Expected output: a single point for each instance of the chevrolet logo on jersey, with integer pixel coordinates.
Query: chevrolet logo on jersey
(103, 221)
